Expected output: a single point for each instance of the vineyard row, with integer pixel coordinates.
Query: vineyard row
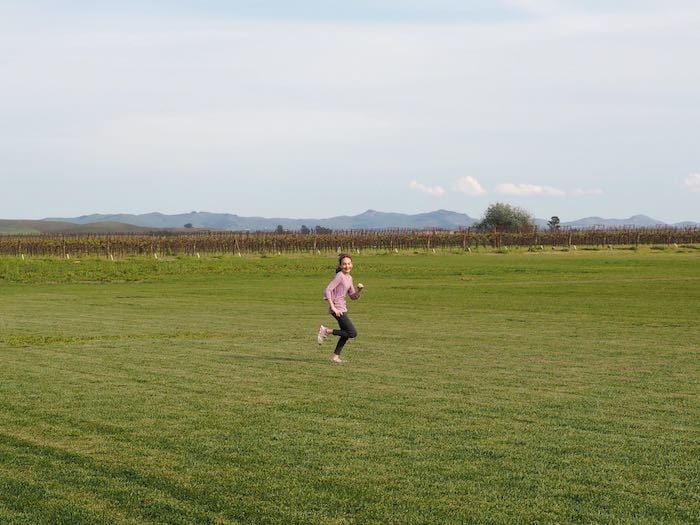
(386, 240)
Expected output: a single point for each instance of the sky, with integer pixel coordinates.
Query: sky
(320, 108)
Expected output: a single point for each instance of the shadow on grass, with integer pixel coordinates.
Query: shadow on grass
(316, 358)
(132, 491)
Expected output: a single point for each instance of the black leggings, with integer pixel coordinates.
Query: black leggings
(347, 331)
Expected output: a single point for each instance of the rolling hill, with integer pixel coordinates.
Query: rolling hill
(368, 220)
(21, 227)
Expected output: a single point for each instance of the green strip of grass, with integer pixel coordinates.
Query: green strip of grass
(544, 387)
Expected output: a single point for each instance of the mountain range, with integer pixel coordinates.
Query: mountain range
(368, 220)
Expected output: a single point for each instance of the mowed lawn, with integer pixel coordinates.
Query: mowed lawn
(555, 387)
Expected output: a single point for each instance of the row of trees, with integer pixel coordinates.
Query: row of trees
(305, 230)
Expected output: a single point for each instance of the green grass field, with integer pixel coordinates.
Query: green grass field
(557, 387)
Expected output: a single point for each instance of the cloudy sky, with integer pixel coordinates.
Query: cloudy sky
(317, 108)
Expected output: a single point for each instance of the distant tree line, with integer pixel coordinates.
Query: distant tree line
(304, 230)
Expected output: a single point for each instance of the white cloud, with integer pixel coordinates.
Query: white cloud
(470, 186)
(437, 191)
(528, 190)
(692, 182)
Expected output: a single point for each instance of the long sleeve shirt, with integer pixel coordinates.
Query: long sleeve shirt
(337, 289)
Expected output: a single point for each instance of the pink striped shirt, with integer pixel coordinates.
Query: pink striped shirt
(337, 289)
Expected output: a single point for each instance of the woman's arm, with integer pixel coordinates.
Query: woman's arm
(355, 293)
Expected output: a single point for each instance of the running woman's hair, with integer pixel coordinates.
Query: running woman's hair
(340, 260)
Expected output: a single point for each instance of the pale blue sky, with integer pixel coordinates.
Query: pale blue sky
(322, 108)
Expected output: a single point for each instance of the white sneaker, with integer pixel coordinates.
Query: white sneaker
(335, 358)
(322, 334)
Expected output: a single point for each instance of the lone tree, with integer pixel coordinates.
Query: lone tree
(554, 223)
(504, 217)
